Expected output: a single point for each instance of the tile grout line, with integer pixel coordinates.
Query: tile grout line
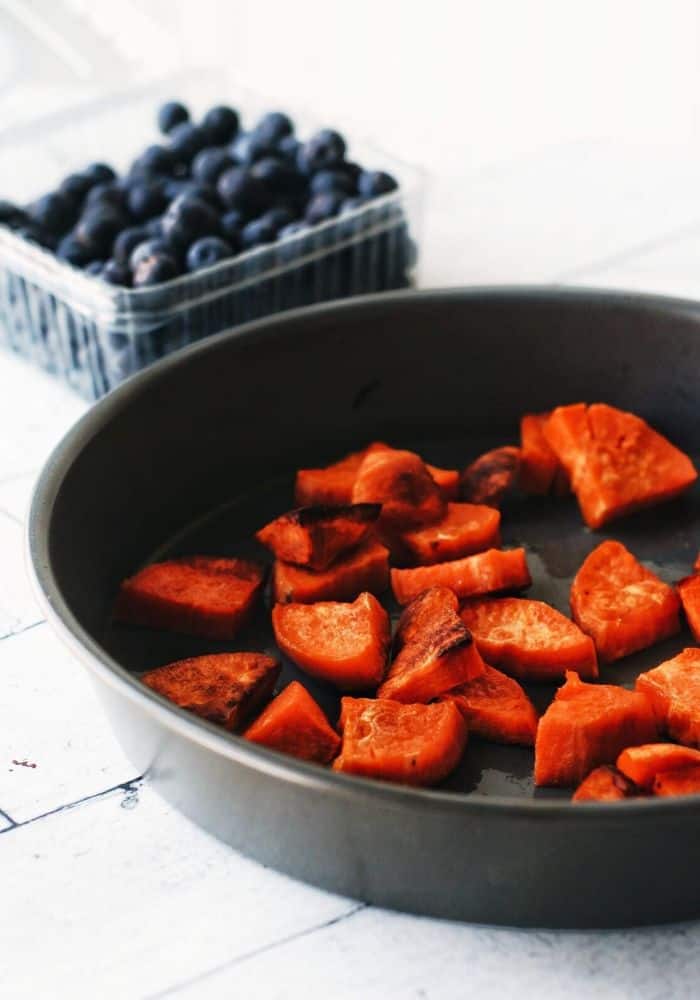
(10, 820)
(254, 952)
(127, 786)
(25, 628)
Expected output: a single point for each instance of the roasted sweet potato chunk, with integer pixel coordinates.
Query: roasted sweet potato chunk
(331, 486)
(367, 568)
(622, 605)
(496, 708)
(225, 688)
(683, 782)
(491, 476)
(293, 723)
(346, 644)
(539, 466)
(617, 463)
(689, 593)
(436, 650)
(198, 595)
(643, 764)
(587, 725)
(446, 479)
(402, 484)
(605, 784)
(411, 744)
(529, 639)
(489, 572)
(315, 536)
(465, 529)
(673, 688)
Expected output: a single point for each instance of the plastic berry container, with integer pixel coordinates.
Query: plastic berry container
(94, 335)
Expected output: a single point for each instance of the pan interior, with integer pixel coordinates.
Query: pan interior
(664, 538)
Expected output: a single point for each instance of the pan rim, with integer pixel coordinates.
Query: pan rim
(205, 734)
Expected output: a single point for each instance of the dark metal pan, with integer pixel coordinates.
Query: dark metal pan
(199, 450)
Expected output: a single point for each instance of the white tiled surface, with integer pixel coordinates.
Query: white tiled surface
(581, 165)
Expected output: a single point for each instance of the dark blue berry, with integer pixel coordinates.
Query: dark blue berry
(54, 212)
(147, 199)
(171, 114)
(100, 173)
(207, 251)
(73, 251)
(108, 193)
(238, 188)
(274, 126)
(352, 204)
(324, 149)
(155, 160)
(323, 206)
(293, 229)
(149, 248)
(155, 269)
(205, 192)
(220, 124)
(373, 183)
(257, 233)
(11, 215)
(279, 176)
(186, 140)
(126, 241)
(210, 163)
(187, 219)
(94, 267)
(248, 148)
(331, 180)
(231, 224)
(154, 227)
(98, 228)
(115, 273)
(76, 186)
(279, 216)
(288, 147)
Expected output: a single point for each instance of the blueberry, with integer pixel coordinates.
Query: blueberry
(94, 267)
(274, 126)
(76, 186)
(373, 183)
(187, 219)
(210, 163)
(171, 114)
(296, 247)
(149, 248)
(279, 217)
(147, 199)
(288, 147)
(186, 140)
(73, 251)
(323, 206)
(174, 187)
(205, 192)
(351, 204)
(115, 273)
(54, 212)
(154, 160)
(11, 215)
(154, 227)
(107, 193)
(100, 173)
(257, 233)
(324, 149)
(331, 180)
(155, 269)
(126, 241)
(98, 228)
(293, 229)
(248, 148)
(279, 175)
(231, 224)
(238, 188)
(220, 124)
(207, 251)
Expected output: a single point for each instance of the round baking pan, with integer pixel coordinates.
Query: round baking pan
(196, 452)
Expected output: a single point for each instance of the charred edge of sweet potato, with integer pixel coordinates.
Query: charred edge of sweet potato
(491, 476)
(245, 569)
(364, 513)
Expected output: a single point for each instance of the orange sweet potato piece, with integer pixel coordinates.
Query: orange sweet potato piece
(529, 639)
(487, 572)
(538, 463)
(401, 483)
(643, 763)
(465, 529)
(436, 651)
(367, 568)
(332, 485)
(617, 463)
(346, 644)
(315, 536)
(446, 479)
(411, 744)
(225, 688)
(293, 723)
(689, 593)
(491, 476)
(673, 689)
(198, 595)
(605, 784)
(587, 725)
(622, 605)
(496, 708)
(683, 782)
